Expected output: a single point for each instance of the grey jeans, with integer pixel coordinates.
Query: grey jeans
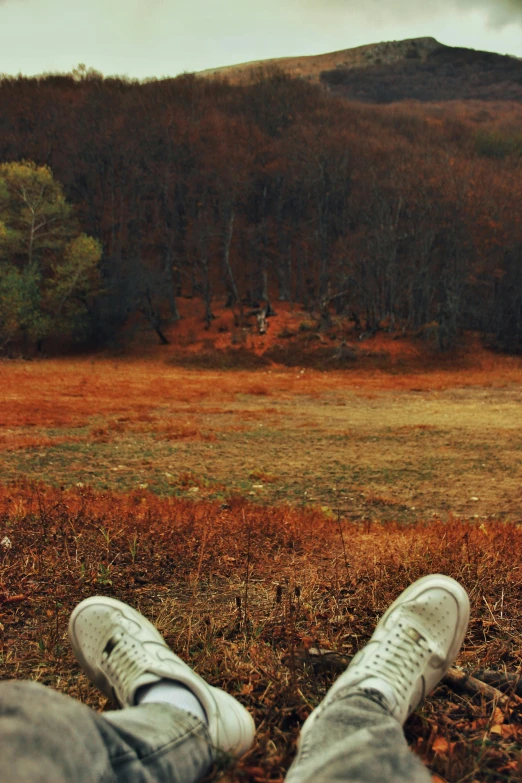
(47, 737)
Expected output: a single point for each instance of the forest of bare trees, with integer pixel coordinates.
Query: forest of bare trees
(403, 216)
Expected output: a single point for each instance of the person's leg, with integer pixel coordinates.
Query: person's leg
(356, 740)
(47, 737)
(172, 726)
(126, 657)
(355, 735)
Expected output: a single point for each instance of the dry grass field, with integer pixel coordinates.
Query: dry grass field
(376, 445)
(256, 515)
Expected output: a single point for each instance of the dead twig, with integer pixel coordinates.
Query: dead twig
(246, 621)
(460, 681)
(326, 660)
(504, 681)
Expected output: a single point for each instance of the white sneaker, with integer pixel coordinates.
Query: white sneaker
(414, 644)
(120, 651)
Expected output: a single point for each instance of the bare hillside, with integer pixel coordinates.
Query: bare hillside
(311, 67)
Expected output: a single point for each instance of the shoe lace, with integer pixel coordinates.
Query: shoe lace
(123, 660)
(403, 658)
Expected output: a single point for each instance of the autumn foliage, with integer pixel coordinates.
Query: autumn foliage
(400, 216)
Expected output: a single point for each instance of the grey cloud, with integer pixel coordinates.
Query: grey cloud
(504, 11)
(499, 12)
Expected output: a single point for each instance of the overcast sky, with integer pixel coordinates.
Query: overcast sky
(142, 38)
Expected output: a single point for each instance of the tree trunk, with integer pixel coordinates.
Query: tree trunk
(231, 283)
(170, 283)
(207, 294)
(160, 334)
(233, 296)
(264, 277)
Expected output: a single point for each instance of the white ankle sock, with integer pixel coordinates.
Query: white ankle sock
(378, 684)
(171, 692)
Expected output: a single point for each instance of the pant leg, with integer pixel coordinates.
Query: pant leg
(356, 740)
(47, 737)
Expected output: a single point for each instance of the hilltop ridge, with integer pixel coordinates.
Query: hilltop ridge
(312, 66)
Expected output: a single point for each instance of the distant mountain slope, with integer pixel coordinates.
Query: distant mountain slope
(311, 67)
(419, 69)
(445, 74)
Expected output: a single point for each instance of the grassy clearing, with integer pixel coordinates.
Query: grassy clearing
(242, 613)
(375, 445)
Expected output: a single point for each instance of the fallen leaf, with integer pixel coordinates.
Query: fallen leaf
(511, 731)
(479, 723)
(440, 745)
(508, 767)
(14, 599)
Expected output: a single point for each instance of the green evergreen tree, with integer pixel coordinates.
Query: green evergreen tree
(49, 271)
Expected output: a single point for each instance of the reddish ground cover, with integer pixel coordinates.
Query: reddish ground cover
(242, 592)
